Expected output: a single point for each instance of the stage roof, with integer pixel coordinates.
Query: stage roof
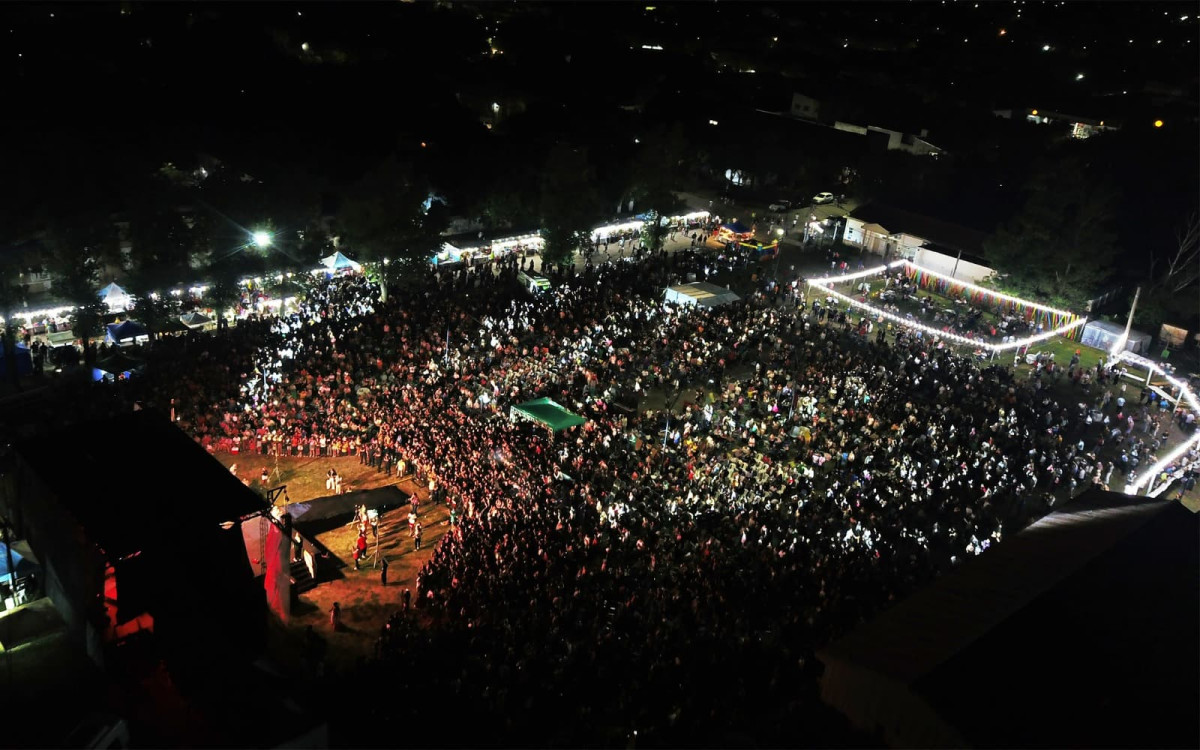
(135, 479)
(1072, 633)
(334, 506)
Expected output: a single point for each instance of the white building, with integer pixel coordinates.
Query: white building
(896, 141)
(930, 243)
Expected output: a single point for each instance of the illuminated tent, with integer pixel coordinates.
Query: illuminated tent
(1104, 335)
(546, 412)
(700, 293)
(115, 297)
(339, 262)
(129, 329)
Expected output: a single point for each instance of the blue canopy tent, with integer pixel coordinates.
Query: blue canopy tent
(125, 330)
(734, 231)
(24, 360)
(23, 565)
(118, 363)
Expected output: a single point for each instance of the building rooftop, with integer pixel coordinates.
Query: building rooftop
(1080, 631)
(134, 478)
(949, 237)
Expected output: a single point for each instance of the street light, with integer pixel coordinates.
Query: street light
(262, 239)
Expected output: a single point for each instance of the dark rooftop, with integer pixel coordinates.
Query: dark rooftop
(1080, 631)
(132, 478)
(945, 234)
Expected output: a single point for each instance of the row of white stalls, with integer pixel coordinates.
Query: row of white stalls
(532, 243)
(54, 321)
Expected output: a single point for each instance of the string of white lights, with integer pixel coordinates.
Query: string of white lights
(905, 321)
(842, 278)
(992, 292)
(1003, 346)
(1186, 393)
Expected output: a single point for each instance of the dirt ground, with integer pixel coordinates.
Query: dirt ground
(365, 602)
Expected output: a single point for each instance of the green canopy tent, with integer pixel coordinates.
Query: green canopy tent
(547, 412)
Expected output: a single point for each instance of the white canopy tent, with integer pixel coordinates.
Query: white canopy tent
(115, 297)
(700, 293)
(339, 262)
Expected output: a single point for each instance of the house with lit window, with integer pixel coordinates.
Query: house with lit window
(1078, 127)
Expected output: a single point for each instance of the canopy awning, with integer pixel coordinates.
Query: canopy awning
(129, 329)
(737, 227)
(195, 320)
(339, 262)
(700, 293)
(171, 325)
(547, 412)
(118, 363)
(114, 296)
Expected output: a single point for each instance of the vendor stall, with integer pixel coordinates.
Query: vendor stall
(125, 331)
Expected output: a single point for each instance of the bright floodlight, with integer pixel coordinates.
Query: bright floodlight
(262, 239)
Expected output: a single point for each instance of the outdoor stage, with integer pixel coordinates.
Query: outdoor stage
(365, 602)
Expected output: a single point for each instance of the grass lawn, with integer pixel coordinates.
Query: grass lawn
(1089, 357)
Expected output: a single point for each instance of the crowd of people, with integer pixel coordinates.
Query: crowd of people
(663, 572)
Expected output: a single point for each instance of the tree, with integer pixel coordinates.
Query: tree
(1059, 246)
(388, 222)
(569, 204)
(1173, 281)
(153, 305)
(75, 244)
(10, 300)
(225, 290)
(657, 173)
(163, 239)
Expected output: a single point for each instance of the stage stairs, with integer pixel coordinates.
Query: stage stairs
(301, 579)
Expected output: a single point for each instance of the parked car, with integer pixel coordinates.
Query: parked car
(822, 198)
(780, 206)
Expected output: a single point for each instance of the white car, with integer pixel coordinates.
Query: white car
(780, 206)
(822, 198)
